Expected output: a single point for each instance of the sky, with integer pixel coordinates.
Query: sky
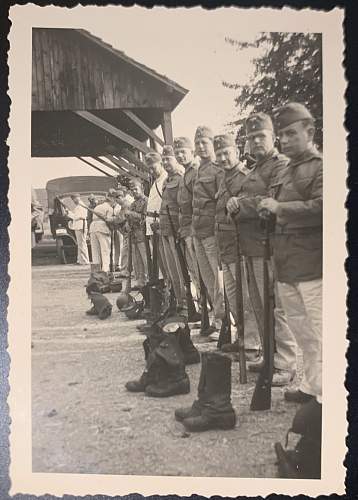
(186, 45)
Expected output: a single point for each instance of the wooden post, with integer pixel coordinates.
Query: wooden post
(167, 127)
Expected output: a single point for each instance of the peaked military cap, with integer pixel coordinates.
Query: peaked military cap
(168, 151)
(224, 141)
(151, 158)
(182, 142)
(290, 113)
(258, 121)
(203, 131)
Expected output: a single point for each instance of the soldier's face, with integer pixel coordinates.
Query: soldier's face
(260, 143)
(204, 148)
(76, 200)
(295, 139)
(156, 169)
(227, 157)
(136, 191)
(184, 156)
(170, 164)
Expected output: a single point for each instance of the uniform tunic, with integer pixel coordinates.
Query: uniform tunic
(185, 200)
(137, 226)
(254, 188)
(206, 185)
(170, 201)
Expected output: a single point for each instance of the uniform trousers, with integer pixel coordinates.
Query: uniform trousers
(140, 263)
(82, 250)
(124, 254)
(189, 252)
(302, 302)
(174, 269)
(118, 245)
(101, 248)
(285, 343)
(207, 256)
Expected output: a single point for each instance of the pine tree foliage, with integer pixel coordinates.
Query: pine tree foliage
(288, 68)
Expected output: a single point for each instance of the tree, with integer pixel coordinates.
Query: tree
(289, 68)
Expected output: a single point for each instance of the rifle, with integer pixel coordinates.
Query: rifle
(261, 398)
(225, 330)
(130, 264)
(184, 269)
(240, 308)
(155, 296)
(205, 323)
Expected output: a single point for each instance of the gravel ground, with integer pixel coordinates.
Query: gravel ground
(84, 421)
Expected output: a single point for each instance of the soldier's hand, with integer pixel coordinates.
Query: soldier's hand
(155, 227)
(269, 204)
(233, 205)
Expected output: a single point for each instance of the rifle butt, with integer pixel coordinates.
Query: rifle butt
(286, 469)
(242, 363)
(261, 398)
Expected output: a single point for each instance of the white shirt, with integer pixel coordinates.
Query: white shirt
(79, 218)
(155, 200)
(107, 211)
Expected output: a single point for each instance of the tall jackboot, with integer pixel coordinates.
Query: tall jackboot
(178, 325)
(172, 378)
(304, 461)
(150, 374)
(216, 408)
(195, 409)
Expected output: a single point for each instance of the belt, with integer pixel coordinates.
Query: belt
(155, 215)
(297, 230)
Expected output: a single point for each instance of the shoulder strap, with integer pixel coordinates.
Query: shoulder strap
(156, 187)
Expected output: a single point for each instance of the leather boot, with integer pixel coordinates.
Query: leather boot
(216, 408)
(150, 374)
(305, 458)
(195, 409)
(101, 304)
(172, 378)
(190, 352)
(92, 311)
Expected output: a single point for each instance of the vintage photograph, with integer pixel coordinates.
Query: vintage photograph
(178, 254)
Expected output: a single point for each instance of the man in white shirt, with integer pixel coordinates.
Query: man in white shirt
(157, 171)
(78, 224)
(100, 233)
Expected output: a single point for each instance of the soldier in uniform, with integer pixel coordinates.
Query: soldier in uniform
(170, 201)
(135, 216)
(184, 153)
(206, 185)
(234, 176)
(297, 242)
(269, 162)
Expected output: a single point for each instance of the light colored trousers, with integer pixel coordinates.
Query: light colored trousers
(302, 303)
(140, 263)
(174, 270)
(285, 343)
(207, 256)
(118, 246)
(101, 248)
(82, 250)
(189, 252)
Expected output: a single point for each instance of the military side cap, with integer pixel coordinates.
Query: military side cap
(258, 121)
(168, 151)
(182, 142)
(224, 141)
(151, 158)
(75, 195)
(203, 131)
(290, 113)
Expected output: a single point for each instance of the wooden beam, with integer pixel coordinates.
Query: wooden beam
(131, 157)
(93, 166)
(167, 127)
(127, 167)
(112, 130)
(152, 135)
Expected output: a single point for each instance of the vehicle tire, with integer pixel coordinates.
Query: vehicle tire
(60, 251)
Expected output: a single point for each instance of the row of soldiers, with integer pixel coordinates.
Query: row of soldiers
(206, 203)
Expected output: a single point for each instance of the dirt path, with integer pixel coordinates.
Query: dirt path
(85, 421)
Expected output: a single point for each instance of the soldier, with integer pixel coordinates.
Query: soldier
(297, 242)
(206, 185)
(78, 224)
(158, 173)
(170, 201)
(100, 233)
(269, 162)
(135, 216)
(234, 176)
(184, 153)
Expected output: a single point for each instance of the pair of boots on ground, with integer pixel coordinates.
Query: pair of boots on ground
(101, 306)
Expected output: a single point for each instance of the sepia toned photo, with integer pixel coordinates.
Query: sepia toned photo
(180, 268)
